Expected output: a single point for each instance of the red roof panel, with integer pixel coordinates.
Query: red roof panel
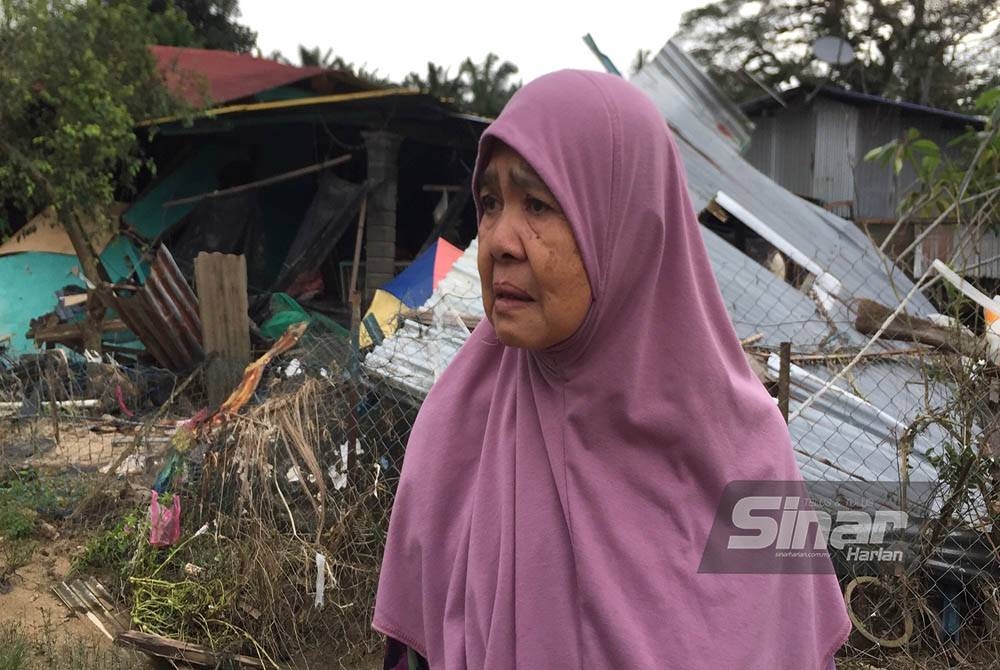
(215, 77)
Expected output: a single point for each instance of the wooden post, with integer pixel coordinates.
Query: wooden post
(53, 405)
(352, 395)
(90, 267)
(221, 284)
(783, 377)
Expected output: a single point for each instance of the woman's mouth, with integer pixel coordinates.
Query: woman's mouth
(507, 297)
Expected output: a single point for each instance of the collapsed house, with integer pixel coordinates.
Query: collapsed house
(277, 170)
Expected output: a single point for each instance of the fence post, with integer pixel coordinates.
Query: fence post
(785, 353)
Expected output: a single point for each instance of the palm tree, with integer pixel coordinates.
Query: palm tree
(437, 83)
(487, 85)
(313, 58)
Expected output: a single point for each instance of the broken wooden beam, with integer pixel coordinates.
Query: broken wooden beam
(905, 328)
(185, 652)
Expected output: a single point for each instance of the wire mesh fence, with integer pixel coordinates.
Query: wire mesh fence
(285, 499)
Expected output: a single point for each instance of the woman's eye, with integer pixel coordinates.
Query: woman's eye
(536, 206)
(489, 203)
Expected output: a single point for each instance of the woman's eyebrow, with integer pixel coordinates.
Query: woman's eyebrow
(490, 179)
(525, 177)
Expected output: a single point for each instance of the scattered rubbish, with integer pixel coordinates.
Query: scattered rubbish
(120, 397)
(293, 475)
(339, 471)
(253, 373)
(293, 368)
(193, 570)
(133, 464)
(164, 520)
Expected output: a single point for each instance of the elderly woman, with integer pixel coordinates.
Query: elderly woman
(562, 477)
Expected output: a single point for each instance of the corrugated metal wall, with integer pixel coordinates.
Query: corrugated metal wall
(836, 150)
(875, 190)
(782, 147)
(818, 151)
(760, 151)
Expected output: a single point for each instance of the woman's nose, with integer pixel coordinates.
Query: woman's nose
(505, 243)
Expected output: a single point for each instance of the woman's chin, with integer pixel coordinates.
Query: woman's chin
(513, 335)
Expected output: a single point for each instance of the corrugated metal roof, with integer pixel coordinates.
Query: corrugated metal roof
(413, 357)
(713, 165)
(855, 428)
(856, 97)
(163, 314)
(217, 77)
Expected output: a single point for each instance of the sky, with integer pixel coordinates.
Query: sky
(398, 37)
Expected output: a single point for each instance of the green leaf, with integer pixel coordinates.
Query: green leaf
(988, 99)
(927, 147)
(875, 153)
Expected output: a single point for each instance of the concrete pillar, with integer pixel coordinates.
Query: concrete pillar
(380, 228)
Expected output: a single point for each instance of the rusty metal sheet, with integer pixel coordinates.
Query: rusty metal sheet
(163, 314)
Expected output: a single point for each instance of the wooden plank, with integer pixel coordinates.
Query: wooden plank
(284, 176)
(221, 283)
(164, 647)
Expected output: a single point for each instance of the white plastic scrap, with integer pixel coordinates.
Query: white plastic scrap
(132, 464)
(294, 368)
(294, 476)
(320, 580)
(338, 472)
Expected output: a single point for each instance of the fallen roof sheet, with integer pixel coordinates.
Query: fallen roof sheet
(163, 313)
(714, 165)
(413, 357)
(852, 431)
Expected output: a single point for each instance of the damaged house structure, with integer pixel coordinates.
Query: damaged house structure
(280, 169)
(812, 140)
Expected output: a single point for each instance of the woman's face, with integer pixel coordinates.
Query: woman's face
(535, 289)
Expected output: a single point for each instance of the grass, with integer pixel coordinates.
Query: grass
(26, 498)
(44, 650)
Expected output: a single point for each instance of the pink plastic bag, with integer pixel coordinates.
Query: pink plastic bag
(164, 522)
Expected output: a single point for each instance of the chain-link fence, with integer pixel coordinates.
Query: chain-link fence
(285, 497)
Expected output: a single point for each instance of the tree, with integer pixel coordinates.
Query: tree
(641, 59)
(214, 22)
(487, 84)
(923, 51)
(76, 78)
(437, 83)
(313, 58)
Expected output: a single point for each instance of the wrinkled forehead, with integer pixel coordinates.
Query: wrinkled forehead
(521, 173)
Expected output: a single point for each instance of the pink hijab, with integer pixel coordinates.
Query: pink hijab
(554, 505)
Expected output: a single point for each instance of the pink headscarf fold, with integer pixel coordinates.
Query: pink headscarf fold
(553, 506)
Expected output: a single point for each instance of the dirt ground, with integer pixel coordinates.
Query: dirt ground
(31, 602)
(32, 607)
